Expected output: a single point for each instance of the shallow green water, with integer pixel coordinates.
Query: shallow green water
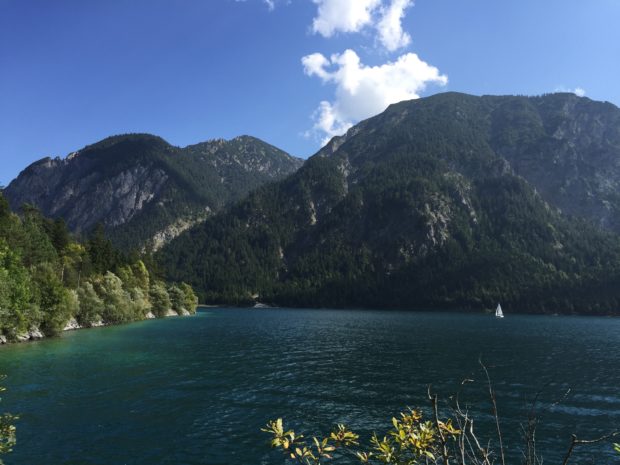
(197, 390)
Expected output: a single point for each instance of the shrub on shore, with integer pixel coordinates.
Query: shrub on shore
(47, 277)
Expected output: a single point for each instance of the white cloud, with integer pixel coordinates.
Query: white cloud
(363, 91)
(271, 4)
(390, 27)
(354, 15)
(578, 91)
(343, 15)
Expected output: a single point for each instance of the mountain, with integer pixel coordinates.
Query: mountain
(144, 190)
(451, 201)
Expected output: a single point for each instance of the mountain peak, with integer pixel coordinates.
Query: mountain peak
(143, 139)
(142, 188)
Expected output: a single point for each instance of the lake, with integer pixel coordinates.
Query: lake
(197, 390)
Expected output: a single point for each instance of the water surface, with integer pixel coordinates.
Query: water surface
(197, 390)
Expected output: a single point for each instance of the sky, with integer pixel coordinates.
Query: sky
(291, 72)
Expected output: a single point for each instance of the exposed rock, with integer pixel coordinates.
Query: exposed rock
(312, 210)
(165, 235)
(82, 196)
(261, 305)
(568, 148)
(32, 334)
(35, 334)
(71, 325)
(143, 189)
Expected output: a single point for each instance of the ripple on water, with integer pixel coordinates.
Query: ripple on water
(198, 390)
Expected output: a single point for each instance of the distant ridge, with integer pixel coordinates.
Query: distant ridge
(144, 190)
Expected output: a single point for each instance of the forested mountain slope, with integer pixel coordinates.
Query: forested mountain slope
(144, 190)
(448, 201)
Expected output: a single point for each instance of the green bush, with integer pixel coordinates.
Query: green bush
(190, 300)
(116, 300)
(90, 305)
(140, 303)
(52, 299)
(160, 300)
(177, 298)
(17, 312)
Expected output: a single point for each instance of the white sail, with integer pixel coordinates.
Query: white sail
(498, 311)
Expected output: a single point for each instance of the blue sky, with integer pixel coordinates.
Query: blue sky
(292, 72)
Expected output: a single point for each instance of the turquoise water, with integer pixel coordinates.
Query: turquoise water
(197, 390)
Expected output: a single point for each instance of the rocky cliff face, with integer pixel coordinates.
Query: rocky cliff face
(74, 190)
(144, 190)
(568, 148)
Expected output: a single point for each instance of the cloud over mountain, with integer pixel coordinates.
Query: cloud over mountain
(363, 90)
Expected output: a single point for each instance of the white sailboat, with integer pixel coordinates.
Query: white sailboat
(498, 311)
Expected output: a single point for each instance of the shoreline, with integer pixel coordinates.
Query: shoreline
(35, 334)
(457, 310)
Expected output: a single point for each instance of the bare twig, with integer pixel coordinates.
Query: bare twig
(469, 445)
(495, 413)
(484, 452)
(577, 442)
(442, 437)
(533, 419)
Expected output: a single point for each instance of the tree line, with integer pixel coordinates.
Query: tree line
(48, 278)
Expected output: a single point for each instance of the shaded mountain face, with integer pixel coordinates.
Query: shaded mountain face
(447, 201)
(566, 147)
(144, 190)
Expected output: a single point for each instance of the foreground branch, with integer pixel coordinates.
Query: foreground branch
(577, 442)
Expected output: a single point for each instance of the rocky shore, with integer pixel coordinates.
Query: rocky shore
(35, 334)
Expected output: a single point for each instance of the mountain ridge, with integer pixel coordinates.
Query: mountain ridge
(516, 159)
(446, 201)
(145, 190)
